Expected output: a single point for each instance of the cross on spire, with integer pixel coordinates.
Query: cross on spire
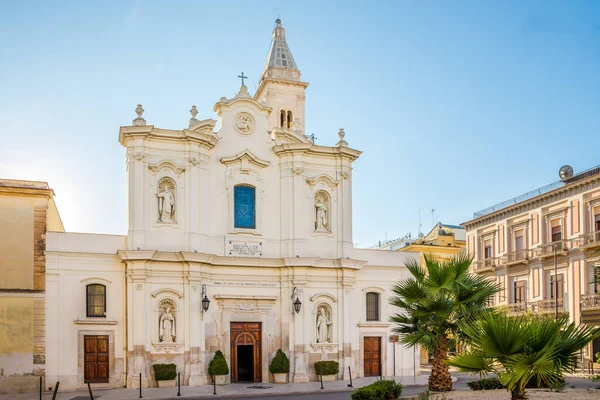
(279, 10)
(243, 77)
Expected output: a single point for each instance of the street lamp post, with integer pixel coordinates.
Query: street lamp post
(555, 284)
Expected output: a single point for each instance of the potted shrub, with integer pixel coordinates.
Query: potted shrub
(329, 370)
(218, 368)
(279, 367)
(165, 374)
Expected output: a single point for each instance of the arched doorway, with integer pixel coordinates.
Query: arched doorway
(246, 352)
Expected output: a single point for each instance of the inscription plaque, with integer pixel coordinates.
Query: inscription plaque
(244, 249)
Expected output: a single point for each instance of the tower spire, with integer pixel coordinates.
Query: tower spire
(280, 62)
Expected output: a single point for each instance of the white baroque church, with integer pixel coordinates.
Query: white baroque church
(238, 239)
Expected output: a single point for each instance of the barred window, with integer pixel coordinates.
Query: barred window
(372, 306)
(95, 300)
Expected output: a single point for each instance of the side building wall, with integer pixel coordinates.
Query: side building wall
(24, 208)
(75, 260)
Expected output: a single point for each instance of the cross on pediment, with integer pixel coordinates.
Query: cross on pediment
(243, 77)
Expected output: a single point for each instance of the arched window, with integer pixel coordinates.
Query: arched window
(244, 207)
(372, 306)
(95, 300)
(289, 119)
(282, 118)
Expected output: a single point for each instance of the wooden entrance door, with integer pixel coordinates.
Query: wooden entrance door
(372, 356)
(95, 359)
(245, 339)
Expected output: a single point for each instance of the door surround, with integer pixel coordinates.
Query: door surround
(245, 308)
(112, 378)
(246, 333)
(384, 350)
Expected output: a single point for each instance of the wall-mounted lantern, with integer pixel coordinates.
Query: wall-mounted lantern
(297, 302)
(205, 300)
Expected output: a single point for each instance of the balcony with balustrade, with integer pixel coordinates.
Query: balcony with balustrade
(549, 306)
(590, 308)
(516, 258)
(517, 308)
(589, 241)
(486, 265)
(561, 247)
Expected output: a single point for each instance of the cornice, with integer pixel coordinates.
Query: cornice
(242, 262)
(545, 199)
(263, 83)
(205, 138)
(313, 149)
(19, 191)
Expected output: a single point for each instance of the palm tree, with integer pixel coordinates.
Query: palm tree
(525, 350)
(433, 301)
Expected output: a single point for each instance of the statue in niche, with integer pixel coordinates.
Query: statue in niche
(166, 201)
(321, 212)
(166, 327)
(323, 325)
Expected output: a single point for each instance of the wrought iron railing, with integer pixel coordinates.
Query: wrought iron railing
(549, 248)
(544, 189)
(590, 301)
(516, 256)
(548, 306)
(590, 239)
(484, 264)
(517, 308)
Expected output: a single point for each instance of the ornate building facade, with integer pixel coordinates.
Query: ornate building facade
(543, 249)
(238, 239)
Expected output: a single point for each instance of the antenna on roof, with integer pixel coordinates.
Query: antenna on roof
(433, 216)
(420, 224)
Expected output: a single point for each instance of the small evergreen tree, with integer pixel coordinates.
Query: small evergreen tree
(280, 363)
(218, 365)
(164, 372)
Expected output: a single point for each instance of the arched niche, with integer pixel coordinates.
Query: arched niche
(322, 211)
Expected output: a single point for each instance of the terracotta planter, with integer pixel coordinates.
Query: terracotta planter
(329, 378)
(279, 378)
(221, 379)
(167, 384)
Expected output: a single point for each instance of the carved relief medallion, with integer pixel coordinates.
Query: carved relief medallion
(244, 123)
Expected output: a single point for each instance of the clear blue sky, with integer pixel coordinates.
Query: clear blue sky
(457, 105)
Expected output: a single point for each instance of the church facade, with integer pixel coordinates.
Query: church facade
(239, 239)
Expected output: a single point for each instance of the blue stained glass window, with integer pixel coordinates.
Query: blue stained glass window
(244, 207)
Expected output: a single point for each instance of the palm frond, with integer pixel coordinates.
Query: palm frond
(472, 361)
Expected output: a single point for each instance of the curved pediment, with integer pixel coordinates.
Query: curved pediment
(242, 97)
(245, 157)
(323, 295)
(167, 290)
(326, 179)
(166, 164)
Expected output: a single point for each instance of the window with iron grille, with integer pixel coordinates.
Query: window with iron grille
(95, 300)
(372, 306)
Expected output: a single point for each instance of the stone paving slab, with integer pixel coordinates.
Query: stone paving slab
(206, 391)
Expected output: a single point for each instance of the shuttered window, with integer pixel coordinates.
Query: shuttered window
(95, 300)
(372, 306)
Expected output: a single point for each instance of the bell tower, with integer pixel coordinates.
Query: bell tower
(280, 86)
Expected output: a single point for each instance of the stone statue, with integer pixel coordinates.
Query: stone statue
(321, 214)
(166, 205)
(323, 324)
(166, 327)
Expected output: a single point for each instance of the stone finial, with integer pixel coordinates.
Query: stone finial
(341, 142)
(139, 121)
(193, 120)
